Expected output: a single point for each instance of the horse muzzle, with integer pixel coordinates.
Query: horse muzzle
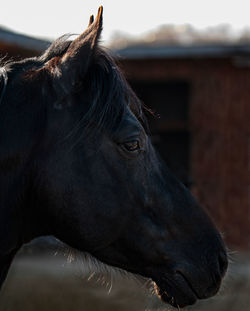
(186, 283)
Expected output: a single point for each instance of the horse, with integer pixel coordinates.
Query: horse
(77, 163)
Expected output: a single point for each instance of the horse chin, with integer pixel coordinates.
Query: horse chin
(175, 292)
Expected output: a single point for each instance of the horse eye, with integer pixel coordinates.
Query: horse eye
(131, 145)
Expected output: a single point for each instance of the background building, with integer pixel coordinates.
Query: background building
(201, 94)
(17, 46)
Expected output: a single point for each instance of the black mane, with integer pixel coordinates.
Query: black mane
(104, 82)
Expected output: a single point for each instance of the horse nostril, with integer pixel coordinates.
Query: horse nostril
(223, 263)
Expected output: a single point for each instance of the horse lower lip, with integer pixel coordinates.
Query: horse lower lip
(188, 283)
(179, 295)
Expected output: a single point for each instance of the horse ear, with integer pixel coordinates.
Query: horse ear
(91, 20)
(86, 42)
(74, 64)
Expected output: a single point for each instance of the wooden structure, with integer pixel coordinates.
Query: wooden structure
(202, 96)
(17, 46)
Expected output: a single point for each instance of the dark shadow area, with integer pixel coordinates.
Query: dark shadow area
(169, 102)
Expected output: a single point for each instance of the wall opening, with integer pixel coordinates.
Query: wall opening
(169, 100)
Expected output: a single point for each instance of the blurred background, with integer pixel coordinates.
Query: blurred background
(189, 62)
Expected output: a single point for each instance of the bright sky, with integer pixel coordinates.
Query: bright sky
(52, 18)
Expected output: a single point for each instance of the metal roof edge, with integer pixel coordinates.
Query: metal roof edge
(10, 37)
(181, 51)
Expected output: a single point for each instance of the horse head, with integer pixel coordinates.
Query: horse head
(77, 162)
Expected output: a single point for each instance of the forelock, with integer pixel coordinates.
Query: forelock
(57, 48)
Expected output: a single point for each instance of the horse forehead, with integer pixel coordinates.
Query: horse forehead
(129, 121)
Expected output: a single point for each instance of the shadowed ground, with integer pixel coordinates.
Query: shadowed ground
(49, 282)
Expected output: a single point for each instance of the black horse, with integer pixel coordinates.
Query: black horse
(76, 162)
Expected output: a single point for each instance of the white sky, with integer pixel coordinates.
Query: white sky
(52, 18)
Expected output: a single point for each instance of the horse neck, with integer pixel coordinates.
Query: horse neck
(18, 141)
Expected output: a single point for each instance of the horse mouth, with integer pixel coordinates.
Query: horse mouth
(175, 290)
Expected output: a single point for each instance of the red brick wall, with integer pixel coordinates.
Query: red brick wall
(220, 131)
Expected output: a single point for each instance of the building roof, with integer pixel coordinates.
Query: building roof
(136, 51)
(9, 37)
(182, 51)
